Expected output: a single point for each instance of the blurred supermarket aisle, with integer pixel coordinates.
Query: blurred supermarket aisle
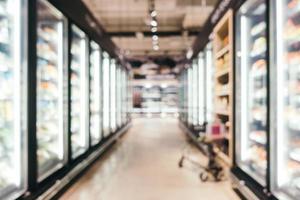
(143, 166)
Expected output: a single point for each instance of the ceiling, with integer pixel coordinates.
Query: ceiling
(127, 21)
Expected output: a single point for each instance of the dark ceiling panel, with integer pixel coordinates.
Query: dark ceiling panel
(196, 2)
(77, 11)
(148, 33)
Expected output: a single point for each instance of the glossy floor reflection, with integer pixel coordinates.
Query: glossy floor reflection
(143, 165)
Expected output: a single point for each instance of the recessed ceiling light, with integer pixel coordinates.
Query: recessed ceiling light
(139, 35)
(153, 29)
(153, 22)
(155, 37)
(155, 47)
(154, 42)
(153, 13)
(148, 85)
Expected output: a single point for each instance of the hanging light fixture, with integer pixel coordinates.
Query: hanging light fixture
(154, 29)
(153, 24)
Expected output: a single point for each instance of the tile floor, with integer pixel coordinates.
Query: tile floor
(143, 165)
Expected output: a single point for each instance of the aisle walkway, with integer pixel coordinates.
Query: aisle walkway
(143, 166)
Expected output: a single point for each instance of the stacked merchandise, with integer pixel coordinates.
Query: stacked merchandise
(222, 79)
(151, 99)
(49, 88)
(169, 98)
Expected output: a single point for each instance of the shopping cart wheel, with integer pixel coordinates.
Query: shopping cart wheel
(180, 163)
(203, 176)
(220, 177)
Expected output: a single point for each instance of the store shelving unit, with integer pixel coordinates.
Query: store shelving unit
(223, 55)
(156, 99)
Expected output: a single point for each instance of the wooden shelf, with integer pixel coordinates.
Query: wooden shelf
(221, 93)
(225, 158)
(223, 51)
(222, 72)
(223, 34)
(222, 112)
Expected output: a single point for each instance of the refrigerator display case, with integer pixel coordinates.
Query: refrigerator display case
(95, 96)
(186, 96)
(190, 95)
(285, 88)
(12, 98)
(129, 97)
(181, 97)
(51, 88)
(79, 92)
(119, 96)
(195, 93)
(209, 81)
(251, 90)
(123, 81)
(201, 89)
(113, 110)
(106, 94)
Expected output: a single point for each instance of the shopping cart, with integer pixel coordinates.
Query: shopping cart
(211, 170)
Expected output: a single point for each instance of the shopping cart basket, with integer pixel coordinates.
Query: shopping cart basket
(211, 170)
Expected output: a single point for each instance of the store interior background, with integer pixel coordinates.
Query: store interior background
(156, 54)
(84, 80)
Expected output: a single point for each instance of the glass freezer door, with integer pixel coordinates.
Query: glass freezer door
(190, 95)
(285, 90)
(195, 92)
(201, 89)
(209, 79)
(79, 92)
(119, 96)
(106, 96)
(51, 86)
(12, 97)
(95, 103)
(124, 96)
(186, 95)
(251, 89)
(113, 95)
